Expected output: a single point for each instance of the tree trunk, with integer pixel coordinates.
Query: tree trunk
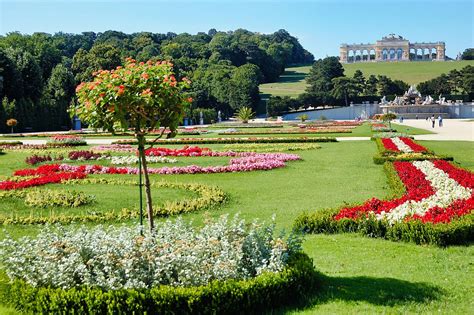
(345, 98)
(149, 204)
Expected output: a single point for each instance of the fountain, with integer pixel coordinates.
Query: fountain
(412, 105)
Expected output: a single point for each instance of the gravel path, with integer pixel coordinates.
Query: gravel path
(452, 129)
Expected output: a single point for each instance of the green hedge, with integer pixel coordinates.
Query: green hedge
(408, 157)
(256, 295)
(11, 143)
(457, 232)
(232, 140)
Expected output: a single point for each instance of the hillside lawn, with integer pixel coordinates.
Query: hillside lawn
(292, 82)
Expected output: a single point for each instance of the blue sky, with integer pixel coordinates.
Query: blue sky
(321, 26)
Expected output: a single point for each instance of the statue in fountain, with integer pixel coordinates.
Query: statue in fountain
(428, 100)
(441, 100)
(383, 100)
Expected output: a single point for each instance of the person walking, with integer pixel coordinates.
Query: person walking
(433, 120)
(440, 121)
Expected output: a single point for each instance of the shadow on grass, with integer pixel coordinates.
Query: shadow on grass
(376, 291)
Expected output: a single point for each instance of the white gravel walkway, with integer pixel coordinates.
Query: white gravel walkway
(452, 129)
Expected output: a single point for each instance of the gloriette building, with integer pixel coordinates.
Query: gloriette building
(392, 48)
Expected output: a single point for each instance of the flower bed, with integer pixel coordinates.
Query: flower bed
(114, 148)
(271, 147)
(29, 147)
(234, 140)
(247, 163)
(380, 135)
(248, 125)
(403, 149)
(36, 159)
(131, 159)
(328, 123)
(401, 144)
(281, 132)
(56, 198)
(66, 140)
(436, 207)
(115, 270)
(208, 197)
(378, 127)
(85, 155)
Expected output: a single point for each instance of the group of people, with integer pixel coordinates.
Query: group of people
(433, 121)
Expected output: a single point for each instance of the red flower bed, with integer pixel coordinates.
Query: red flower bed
(389, 145)
(459, 207)
(417, 188)
(185, 151)
(41, 180)
(414, 146)
(84, 155)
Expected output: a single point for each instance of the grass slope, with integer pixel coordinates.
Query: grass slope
(292, 82)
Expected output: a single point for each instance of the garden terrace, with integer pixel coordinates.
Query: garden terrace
(403, 271)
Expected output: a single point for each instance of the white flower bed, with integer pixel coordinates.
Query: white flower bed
(176, 254)
(130, 159)
(447, 190)
(402, 146)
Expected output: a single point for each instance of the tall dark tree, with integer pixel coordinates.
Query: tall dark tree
(321, 74)
(57, 97)
(344, 88)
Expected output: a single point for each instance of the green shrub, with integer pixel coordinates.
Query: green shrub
(256, 295)
(245, 114)
(9, 143)
(208, 115)
(457, 232)
(408, 157)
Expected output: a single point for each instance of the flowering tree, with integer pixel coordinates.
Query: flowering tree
(12, 122)
(141, 96)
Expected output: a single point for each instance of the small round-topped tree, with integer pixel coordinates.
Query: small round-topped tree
(141, 96)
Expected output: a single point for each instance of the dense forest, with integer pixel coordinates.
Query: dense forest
(39, 72)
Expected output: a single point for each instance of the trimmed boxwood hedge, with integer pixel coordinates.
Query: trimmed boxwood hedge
(262, 293)
(380, 159)
(232, 140)
(457, 232)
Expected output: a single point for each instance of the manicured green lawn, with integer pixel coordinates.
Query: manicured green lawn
(292, 82)
(410, 72)
(361, 275)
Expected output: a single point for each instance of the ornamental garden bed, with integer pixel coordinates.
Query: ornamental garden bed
(233, 140)
(227, 266)
(433, 204)
(403, 149)
(72, 205)
(288, 131)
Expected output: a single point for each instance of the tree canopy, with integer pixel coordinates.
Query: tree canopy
(225, 67)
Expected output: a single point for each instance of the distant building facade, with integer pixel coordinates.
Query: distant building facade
(392, 48)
